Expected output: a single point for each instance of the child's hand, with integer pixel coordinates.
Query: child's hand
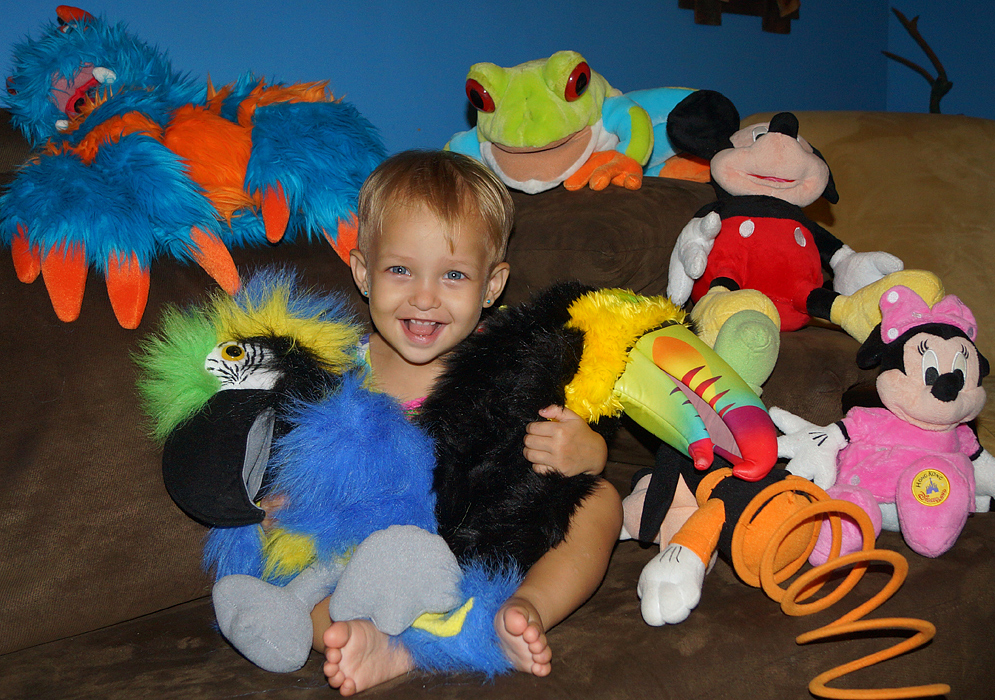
(565, 443)
(271, 505)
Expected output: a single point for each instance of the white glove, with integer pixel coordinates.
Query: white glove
(687, 262)
(811, 448)
(984, 481)
(853, 271)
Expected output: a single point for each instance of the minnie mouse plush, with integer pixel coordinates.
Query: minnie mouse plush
(754, 248)
(914, 465)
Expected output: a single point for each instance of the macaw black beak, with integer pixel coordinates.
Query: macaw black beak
(213, 465)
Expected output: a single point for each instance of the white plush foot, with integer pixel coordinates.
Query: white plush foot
(670, 585)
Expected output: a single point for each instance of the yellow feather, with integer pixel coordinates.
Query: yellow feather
(286, 553)
(334, 343)
(612, 321)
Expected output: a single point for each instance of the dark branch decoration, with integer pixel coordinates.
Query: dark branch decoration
(940, 85)
(776, 14)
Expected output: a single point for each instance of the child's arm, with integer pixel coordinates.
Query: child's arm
(564, 442)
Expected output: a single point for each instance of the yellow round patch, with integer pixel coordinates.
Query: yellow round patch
(930, 487)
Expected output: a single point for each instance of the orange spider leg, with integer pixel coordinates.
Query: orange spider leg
(212, 255)
(27, 258)
(348, 236)
(64, 273)
(128, 289)
(276, 213)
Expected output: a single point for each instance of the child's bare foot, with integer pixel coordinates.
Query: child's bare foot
(522, 637)
(359, 656)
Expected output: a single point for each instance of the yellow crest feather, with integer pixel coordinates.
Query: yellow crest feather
(612, 320)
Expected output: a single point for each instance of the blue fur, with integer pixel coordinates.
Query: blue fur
(320, 153)
(353, 465)
(476, 647)
(133, 197)
(234, 550)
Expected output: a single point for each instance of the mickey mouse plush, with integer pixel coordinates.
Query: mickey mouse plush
(913, 465)
(754, 248)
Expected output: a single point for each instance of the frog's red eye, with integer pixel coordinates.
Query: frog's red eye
(478, 96)
(578, 82)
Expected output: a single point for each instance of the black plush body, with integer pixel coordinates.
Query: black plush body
(491, 503)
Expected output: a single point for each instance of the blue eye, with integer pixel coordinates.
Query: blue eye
(397, 270)
(455, 275)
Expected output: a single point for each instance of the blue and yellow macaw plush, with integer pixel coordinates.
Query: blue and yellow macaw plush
(262, 396)
(137, 160)
(554, 120)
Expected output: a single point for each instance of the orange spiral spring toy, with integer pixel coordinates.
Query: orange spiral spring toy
(810, 582)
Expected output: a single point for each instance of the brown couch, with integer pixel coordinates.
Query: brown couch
(101, 592)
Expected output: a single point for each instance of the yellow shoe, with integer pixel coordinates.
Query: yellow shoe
(712, 311)
(860, 312)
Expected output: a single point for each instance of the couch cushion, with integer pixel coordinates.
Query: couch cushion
(613, 238)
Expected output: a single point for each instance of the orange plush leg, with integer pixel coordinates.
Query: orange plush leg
(604, 168)
(128, 289)
(64, 272)
(276, 213)
(27, 260)
(212, 255)
(701, 532)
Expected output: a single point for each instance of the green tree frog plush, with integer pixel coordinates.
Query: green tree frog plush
(554, 120)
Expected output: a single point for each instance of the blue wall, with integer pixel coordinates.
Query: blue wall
(962, 35)
(403, 63)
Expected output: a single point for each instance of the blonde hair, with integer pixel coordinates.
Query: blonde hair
(453, 187)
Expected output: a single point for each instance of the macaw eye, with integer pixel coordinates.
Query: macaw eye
(478, 96)
(578, 82)
(233, 352)
(930, 368)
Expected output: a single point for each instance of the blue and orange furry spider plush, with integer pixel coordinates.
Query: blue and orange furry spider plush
(137, 161)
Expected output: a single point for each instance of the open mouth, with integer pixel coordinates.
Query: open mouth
(421, 331)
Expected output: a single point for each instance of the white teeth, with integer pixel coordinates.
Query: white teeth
(104, 76)
(416, 322)
(62, 124)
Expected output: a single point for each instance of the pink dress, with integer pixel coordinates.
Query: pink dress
(928, 475)
(882, 446)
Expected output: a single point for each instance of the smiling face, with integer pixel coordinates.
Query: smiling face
(426, 294)
(771, 163)
(940, 388)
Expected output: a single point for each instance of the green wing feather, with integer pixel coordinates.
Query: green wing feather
(173, 383)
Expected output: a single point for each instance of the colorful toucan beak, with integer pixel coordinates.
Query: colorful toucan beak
(214, 464)
(680, 390)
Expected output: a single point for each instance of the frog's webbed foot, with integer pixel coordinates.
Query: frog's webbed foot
(605, 168)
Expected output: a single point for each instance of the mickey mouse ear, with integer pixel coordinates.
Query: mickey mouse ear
(702, 123)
